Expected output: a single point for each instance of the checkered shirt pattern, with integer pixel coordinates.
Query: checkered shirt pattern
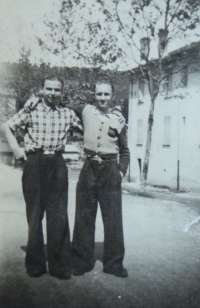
(45, 128)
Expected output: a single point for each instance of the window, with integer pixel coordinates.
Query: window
(183, 135)
(169, 84)
(139, 132)
(141, 90)
(134, 94)
(140, 166)
(184, 77)
(144, 47)
(141, 86)
(134, 89)
(167, 131)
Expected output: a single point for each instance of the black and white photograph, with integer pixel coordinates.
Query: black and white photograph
(100, 153)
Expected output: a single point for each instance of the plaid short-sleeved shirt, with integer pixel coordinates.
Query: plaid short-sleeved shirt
(45, 128)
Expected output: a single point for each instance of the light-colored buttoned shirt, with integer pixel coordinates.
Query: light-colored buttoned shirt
(101, 130)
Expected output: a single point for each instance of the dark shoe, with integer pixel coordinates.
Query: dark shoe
(121, 272)
(80, 272)
(61, 275)
(35, 273)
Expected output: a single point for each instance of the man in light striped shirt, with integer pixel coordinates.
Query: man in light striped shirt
(45, 179)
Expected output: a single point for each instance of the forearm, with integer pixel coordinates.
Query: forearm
(124, 154)
(10, 137)
(124, 159)
(18, 152)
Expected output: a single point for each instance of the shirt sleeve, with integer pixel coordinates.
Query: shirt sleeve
(77, 109)
(124, 154)
(120, 120)
(118, 112)
(75, 121)
(18, 120)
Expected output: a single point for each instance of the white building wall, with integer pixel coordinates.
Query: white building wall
(183, 108)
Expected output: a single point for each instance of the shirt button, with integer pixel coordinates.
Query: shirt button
(102, 122)
(98, 145)
(100, 129)
(98, 137)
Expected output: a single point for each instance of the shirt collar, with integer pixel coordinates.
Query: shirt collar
(48, 108)
(97, 111)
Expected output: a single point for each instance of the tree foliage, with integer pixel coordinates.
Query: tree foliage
(23, 78)
(99, 32)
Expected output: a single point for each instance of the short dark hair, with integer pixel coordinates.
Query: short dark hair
(53, 78)
(104, 79)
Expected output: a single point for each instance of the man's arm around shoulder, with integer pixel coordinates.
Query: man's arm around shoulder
(77, 109)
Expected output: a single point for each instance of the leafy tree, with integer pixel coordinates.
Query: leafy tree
(24, 79)
(18, 78)
(18, 82)
(99, 32)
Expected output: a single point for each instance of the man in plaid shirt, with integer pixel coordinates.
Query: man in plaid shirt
(45, 179)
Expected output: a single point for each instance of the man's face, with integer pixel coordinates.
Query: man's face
(103, 96)
(52, 91)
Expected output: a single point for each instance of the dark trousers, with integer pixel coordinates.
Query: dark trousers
(45, 188)
(98, 182)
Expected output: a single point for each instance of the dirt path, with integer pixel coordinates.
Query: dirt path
(162, 259)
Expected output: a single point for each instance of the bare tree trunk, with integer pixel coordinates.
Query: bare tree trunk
(148, 146)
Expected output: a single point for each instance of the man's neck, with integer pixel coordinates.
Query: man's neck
(106, 111)
(53, 106)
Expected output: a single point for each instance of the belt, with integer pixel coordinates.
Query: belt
(100, 157)
(45, 152)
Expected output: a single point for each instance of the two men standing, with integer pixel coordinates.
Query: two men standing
(45, 181)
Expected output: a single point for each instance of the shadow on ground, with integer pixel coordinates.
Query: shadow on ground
(98, 251)
(94, 289)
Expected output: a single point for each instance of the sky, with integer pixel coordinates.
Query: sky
(20, 22)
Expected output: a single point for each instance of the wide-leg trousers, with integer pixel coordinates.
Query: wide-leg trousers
(98, 183)
(45, 188)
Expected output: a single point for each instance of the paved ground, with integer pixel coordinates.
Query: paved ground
(163, 259)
